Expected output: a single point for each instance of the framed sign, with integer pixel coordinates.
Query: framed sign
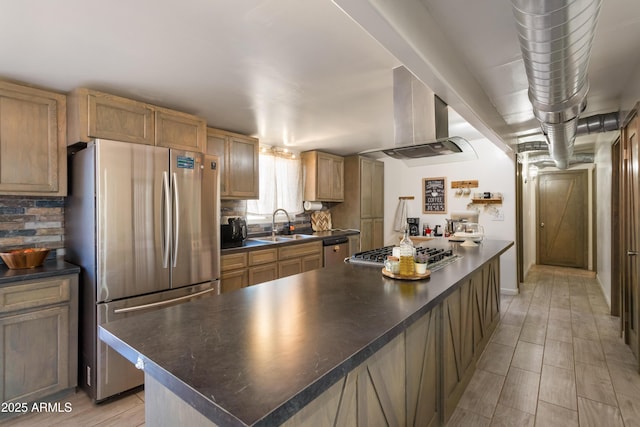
(434, 195)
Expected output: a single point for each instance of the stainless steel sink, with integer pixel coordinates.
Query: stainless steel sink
(280, 238)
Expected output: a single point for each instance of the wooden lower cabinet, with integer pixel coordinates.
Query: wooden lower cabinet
(311, 262)
(262, 265)
(234, 279)
(289, 267)
(234, 273)
(371, 233)
(38, 338)
(263, 273)
(296, 259)
(354, 244)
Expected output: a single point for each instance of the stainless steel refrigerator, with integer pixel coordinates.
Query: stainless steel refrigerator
(142, 222)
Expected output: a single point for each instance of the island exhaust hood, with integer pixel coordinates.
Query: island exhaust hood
(421, 124)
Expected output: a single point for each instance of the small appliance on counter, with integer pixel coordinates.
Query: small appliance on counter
(233, 232)
(414, 226)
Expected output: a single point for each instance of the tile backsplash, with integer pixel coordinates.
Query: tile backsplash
(301, 221)
(31, 222)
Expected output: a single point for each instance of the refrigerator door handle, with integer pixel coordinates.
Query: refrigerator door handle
(161, 303)
(176, 222)
(166, 219)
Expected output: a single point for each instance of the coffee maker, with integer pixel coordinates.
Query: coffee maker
(233, 233)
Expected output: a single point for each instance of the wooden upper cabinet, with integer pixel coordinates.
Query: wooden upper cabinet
(33, 127)
(95, 115)
(324, 176)
(180, 130)
(217, 146)
(238, 165)
(377, 181)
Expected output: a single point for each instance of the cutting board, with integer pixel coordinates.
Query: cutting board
(321, 220)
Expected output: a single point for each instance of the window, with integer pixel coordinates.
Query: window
(280, 187)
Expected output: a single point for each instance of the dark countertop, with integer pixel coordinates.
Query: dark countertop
(50, 268)
(258, 355)
(250, 244)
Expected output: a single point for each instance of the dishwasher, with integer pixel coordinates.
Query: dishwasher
(336, 249)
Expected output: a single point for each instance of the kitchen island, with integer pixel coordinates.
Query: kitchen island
(342, 344)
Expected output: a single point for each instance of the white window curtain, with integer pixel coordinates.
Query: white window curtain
(280, 186)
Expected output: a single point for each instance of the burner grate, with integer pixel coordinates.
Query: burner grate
(437, 258)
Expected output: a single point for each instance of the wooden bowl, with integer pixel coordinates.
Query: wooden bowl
(24, 258)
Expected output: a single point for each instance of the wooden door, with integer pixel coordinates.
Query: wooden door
(378, 190)
(366, 235)
(179, 130)
(631, 233)
(243, 168)
(337, 179)
(33, 157)
(324, 177)
(217, 146)
(34, 352)
(617, 244)
(366, 189)
(562, 218)
(120, 119)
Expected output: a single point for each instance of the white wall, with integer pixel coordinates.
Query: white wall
(603, 213)
(495, 172)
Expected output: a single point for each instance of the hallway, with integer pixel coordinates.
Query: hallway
(555, 359)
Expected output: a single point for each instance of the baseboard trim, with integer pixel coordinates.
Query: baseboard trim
(509, 291)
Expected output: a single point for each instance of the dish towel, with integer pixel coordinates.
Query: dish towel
(400, 220)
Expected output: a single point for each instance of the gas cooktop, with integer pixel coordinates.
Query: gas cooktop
(436, 257)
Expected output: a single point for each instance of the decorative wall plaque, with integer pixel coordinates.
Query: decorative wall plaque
(434, 195)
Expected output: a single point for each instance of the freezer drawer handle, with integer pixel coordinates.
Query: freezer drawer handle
(160, 303)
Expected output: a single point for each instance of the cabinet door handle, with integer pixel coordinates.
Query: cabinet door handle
(542, 224)
(632, 253)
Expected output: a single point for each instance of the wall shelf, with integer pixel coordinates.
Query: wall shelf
(493, 200)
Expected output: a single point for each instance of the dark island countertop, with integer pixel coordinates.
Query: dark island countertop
(50, 268)
(256, 356)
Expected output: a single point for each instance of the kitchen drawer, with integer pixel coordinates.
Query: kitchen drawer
(301, 250)
(233, 261)
(263, 256)
(35, 294)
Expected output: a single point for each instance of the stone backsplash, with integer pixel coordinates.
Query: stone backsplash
(31, 222)
(302, 221)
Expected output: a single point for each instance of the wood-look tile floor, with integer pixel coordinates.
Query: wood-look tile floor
(555, 359)
(127, 411)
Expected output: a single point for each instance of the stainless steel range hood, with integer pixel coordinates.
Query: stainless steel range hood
(421, 126)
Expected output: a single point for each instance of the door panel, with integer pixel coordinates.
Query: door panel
(631, 230)
(190, 264)
(128, 197)
(562, 218)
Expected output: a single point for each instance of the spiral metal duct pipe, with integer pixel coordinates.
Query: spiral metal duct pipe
(555, 40)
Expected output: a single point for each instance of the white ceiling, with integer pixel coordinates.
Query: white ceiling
(298, 73)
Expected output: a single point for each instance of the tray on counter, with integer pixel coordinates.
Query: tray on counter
(391, 275)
